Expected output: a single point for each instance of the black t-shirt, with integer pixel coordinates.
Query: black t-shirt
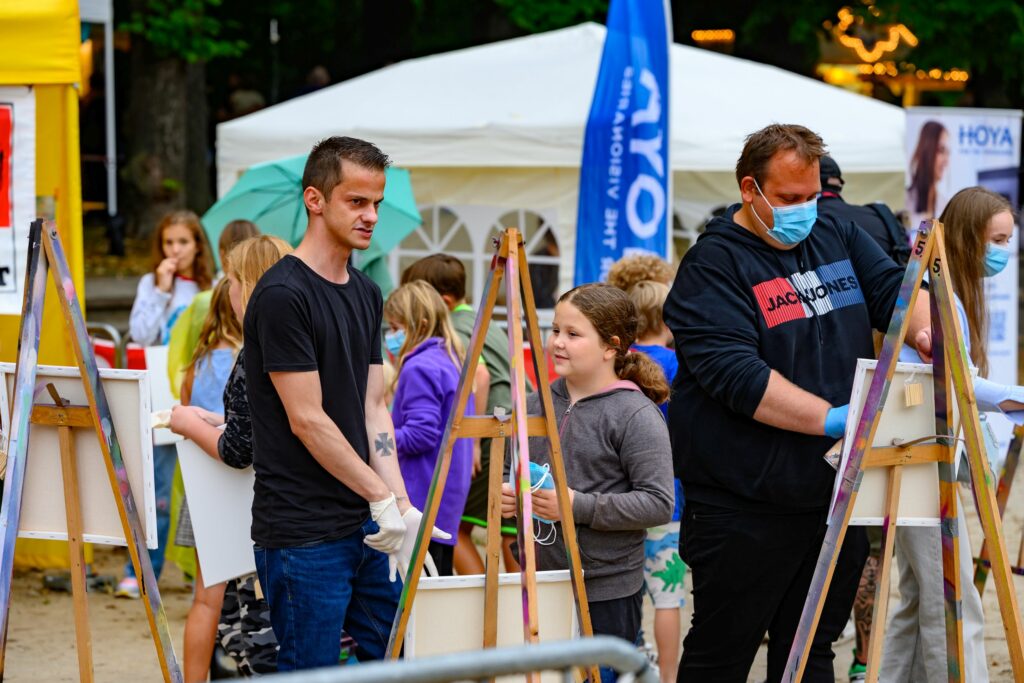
(296, 321)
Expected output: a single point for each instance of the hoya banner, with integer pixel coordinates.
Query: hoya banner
(625, 177)
(17, 190)
(949, 149)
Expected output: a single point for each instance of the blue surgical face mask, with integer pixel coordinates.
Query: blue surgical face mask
(394, 341)
(996, 258)
(544, 532)
(792, 223)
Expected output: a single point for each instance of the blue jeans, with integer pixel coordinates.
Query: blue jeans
(165, 459)
(315, 591)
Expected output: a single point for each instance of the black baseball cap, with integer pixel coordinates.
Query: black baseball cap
(830, 169)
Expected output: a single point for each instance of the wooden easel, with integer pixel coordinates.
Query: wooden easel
(951, 364)
(45, 252)
(981, 562)
(509, 263)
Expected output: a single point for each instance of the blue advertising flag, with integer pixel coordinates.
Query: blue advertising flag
(625, 201)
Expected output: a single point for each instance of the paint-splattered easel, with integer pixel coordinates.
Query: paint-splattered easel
(951, 372)
(982, 564)
(508, 264)
(45, 254)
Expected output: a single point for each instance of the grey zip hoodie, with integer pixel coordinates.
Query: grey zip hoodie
(618, 460)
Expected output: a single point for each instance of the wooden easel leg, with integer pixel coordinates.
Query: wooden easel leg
(892, 509)
(527, 550)
(433, 502)
(981, 474)
(131, 519)
(493, 556)
(21, 410)
(73, 510)
(948, 501)
(1002, 495)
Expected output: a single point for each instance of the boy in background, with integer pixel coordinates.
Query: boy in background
(664, 570)
(447, 275)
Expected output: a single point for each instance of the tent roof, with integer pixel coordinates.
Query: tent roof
(524, 103)
(39, 42)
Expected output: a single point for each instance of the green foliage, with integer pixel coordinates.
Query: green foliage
(545, 15)
(185, 29)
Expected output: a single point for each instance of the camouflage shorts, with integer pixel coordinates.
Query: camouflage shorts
(244, 630)
(664, 570)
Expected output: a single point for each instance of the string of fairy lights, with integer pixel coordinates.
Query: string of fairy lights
(873, 53)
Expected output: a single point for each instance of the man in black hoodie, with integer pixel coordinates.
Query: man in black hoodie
(770, 311)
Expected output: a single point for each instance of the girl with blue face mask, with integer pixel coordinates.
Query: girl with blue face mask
(978, 225)
(428, 360)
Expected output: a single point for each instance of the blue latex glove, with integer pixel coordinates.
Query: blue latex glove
(835, 421)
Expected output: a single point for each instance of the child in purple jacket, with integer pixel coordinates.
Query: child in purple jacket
(429, 357)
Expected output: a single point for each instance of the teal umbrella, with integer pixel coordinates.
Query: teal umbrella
(270, 195)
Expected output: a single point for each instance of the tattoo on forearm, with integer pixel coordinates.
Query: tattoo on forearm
(384, 444)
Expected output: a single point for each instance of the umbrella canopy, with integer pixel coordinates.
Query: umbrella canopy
(270, 195)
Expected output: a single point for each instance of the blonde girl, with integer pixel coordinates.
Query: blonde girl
(429, 357)
(244, 266)
(203, 387)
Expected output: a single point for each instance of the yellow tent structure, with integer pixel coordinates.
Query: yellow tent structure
(39, 47)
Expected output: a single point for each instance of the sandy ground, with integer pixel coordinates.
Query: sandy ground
(41, 646)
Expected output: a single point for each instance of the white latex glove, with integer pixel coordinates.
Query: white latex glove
(392, 529)
(413, 518)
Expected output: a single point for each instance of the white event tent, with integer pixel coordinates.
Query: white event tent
(493, 137)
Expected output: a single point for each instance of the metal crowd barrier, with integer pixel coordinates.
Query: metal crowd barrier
(567, 656)
(105, 331)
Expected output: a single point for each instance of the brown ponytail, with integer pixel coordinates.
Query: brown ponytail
(638, 368)
(613, 314)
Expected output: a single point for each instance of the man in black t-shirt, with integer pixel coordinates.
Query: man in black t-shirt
(331, 518)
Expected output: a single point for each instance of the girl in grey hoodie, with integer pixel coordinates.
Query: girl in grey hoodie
(615, 444)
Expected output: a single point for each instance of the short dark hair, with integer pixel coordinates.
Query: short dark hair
(761, 146)
(323, 167)
(444, 273)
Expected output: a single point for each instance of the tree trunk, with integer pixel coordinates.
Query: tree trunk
(198, 195)
(155, 171)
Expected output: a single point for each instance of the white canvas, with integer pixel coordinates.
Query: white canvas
(160, 389)
(439, 598)
(220, 505)
(919, 487)
(42, 509)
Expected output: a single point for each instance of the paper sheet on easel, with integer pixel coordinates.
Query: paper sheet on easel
(919, 489)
